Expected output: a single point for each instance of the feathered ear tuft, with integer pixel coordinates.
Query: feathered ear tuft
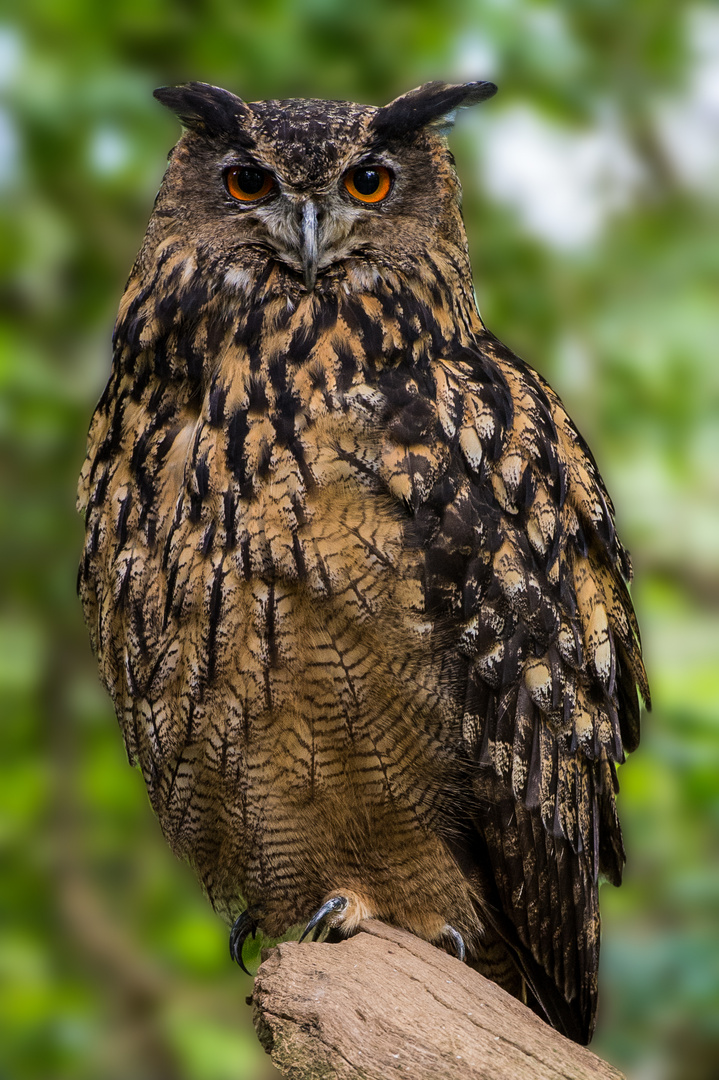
(204, 108)
(434, 103)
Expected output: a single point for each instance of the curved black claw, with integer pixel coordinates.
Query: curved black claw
(244, 925)
(336, 903)
(457, 940)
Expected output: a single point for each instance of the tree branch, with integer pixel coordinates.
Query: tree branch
(385, 1004)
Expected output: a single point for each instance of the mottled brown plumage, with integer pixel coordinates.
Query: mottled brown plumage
(351, 574)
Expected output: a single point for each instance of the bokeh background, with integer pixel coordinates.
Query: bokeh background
(591, 202)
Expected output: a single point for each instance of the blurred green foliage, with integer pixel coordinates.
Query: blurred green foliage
(590, 198)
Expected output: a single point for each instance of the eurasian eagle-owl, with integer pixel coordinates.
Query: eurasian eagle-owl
(350, 572)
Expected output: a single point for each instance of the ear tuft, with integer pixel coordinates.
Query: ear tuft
(204, 108)
(432, 103)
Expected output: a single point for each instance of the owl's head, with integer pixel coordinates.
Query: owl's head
(312, 184)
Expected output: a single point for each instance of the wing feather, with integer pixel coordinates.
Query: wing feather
(551, 700)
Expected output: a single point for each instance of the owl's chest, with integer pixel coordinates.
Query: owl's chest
(319, 515)
(306, 487)
(298, 598)
(297, 551)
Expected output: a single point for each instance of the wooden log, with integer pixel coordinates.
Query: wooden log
(385, 1004)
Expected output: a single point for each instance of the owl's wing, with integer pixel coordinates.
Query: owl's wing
(527, 569)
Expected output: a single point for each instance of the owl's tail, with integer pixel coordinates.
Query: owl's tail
(541, 993)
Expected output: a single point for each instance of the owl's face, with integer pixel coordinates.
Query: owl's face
(312, 184)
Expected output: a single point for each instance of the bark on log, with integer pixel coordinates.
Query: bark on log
(385, 1004)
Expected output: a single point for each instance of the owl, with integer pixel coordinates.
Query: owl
(350, 572)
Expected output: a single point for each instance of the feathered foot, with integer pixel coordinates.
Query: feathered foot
(342, 915)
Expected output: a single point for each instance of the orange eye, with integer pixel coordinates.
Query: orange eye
(248, 184)
(369, 184)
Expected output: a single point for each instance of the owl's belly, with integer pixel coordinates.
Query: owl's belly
(337, 780)
(317, 753)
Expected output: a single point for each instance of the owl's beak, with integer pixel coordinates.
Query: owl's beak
(309, 244)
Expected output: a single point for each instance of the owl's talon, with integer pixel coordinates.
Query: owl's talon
(457, 940)
(335, 904)
(244, 925)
